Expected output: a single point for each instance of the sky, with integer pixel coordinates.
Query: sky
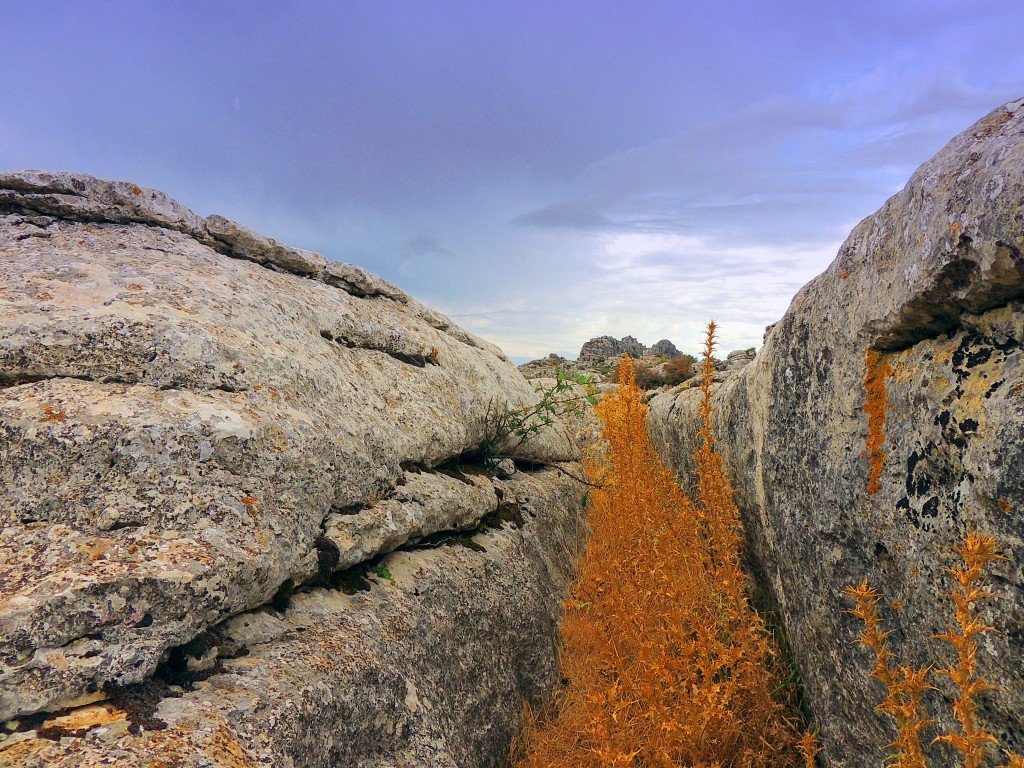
(542, 172)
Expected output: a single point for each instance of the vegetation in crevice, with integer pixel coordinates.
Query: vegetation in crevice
(666, 663)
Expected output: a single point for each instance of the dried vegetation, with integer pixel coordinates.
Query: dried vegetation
(666, 663)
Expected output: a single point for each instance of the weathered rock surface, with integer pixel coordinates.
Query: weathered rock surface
(604, 347)
(195, 418)
(426, 667)
(663, 348)
(924, 297)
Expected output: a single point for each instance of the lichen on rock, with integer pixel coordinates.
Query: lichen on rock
(881, 421)
(194, 419)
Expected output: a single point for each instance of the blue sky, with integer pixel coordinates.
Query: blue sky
(543, 172)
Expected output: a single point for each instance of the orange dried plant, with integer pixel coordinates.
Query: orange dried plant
(667, 663)
(977, 552)
(906, 686)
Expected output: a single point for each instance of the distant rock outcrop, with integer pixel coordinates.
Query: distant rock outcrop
(231, 534)
(603, 347)
(663, 348)
(882, 420)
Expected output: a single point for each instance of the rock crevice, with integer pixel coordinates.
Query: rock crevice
(879, 423)
(177, 435)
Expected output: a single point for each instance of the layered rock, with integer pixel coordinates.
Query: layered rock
(604, 347)
(197, 420)
(881, 421)
(663, 348)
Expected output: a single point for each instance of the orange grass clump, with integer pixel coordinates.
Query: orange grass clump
(667, 663)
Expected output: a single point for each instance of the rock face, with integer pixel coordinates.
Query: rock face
(196, 422)
(604, 347)
(884, 418)
(663, 348)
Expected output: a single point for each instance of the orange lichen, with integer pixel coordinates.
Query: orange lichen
(876, 404)
(52, 416)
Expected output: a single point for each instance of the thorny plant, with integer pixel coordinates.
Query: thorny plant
(667, 664)
(905, 686)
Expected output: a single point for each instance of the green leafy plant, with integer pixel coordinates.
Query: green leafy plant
(383, 573)
(508, 429)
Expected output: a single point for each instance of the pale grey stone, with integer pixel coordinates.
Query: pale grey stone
(934, 280)
(177, 425)
(252, 245)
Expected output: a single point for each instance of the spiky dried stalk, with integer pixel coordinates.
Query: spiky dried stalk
(809, 748)
(904, 685)
(977, 552)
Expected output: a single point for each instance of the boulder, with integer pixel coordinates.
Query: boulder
(423, 657)
(883, 419)
(663, 348)
(605, 347)
(197, 421)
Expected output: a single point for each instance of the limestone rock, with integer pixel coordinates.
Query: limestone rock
(263, 249)
(547, 367)
(925, 297)
(421, 659)
(188, 412)
(605, 347)
(663, 348)
(738, 359)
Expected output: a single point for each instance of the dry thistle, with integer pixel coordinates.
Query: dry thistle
(904, 685)
(668, 663)
(809, 749)
(977, 551)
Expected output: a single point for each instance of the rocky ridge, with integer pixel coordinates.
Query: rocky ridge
(199, 423)
(599, 357)
(881, 420)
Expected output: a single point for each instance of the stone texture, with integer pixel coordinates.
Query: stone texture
(931, 286)
(547, 367)
(422, 660)
(605, 347)
(263, 249)
(663, 348)
(194, 421)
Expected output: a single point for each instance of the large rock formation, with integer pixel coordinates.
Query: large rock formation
(663, 348)
(204, 435)
(884, 418)
(603, 347)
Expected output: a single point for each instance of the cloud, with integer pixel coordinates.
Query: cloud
(573, 214)
(424, 243)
